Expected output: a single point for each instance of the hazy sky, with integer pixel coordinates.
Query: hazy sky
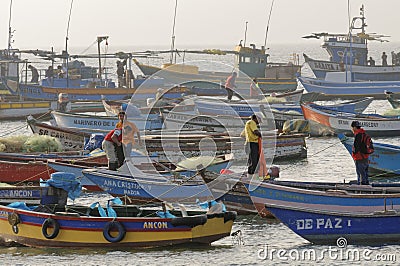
(199, 23)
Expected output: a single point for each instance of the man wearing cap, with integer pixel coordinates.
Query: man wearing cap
(360, 159)
(128, 131)
(252, 134)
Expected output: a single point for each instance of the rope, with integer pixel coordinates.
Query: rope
(29, 178)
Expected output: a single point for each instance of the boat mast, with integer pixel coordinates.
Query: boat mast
(66, 42)
(245, 35)
(267, 28)
(173, 34)
(99, 40)
(10, 32)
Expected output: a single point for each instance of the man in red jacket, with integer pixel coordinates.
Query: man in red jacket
(360, 159)
(111, 142)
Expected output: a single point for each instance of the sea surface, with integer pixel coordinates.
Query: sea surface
(259, 239)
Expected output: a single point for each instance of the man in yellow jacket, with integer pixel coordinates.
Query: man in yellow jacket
(252, 134)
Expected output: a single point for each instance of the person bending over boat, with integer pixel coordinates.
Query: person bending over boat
(112, 141)
(252, 134)
(359, 156)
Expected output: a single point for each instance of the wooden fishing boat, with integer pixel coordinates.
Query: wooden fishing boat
(55, 224)
(251, 61)
(27, 194)
(384, 160)
(139, 187)
(72, 229)
(339, 122)
(337, 197)
(349, 88)
(71, 140)
(146, 164)
(171, 146)
(103, 124)
(340, 228)
(209, 106)
(21, 109)
(350, 52)
(220, 123)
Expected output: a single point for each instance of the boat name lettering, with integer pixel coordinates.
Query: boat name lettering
(343, 122)
(16, 193)
(320, 223)
(369, 124)
(83, 122)
(131, 192)
(121, 184)
(327, 66)
(155, 225)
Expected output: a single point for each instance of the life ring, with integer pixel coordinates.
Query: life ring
(13, 218)
(50, 222)
(114, 225)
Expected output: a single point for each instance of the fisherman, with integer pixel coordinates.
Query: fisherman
(252, 134)
(129, 130)
(230, 84)
(112, 141)
(384, 59)
(35, 74)
(371, 61)
(360, 158)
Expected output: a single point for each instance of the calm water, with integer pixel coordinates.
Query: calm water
(327, 161)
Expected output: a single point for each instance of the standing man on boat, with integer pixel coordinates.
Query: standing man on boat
(252, 134)
(384, 59)
(230, 84)
(360, 158)
(128, 131)
(35, 74)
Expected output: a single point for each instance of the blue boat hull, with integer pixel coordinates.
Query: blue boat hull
(148, 189)
(340, 229)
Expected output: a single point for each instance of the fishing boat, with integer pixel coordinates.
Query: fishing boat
(241, 108)
(336, 197)
(172, 147)
(340, 228)
(349, 88)
(27, 194)
(384, 160)
(94, 123)
(146, 164)
(339, 122)
(139, 187)
(220, 123)
(21, 109)
(71, 140)
(57, 225)
(349, 52)
(250, 61)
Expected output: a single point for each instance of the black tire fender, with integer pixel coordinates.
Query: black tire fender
(50, 222)
(114, 225)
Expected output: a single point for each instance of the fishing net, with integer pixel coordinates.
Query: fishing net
(34, 143)
(392, 112)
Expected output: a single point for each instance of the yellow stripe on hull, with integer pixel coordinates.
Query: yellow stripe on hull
(22, 105)
(31, 235)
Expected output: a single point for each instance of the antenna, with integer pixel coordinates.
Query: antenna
(266, 30)
(173, 33)
(245, 35)
(10, 31)
(66, 41)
